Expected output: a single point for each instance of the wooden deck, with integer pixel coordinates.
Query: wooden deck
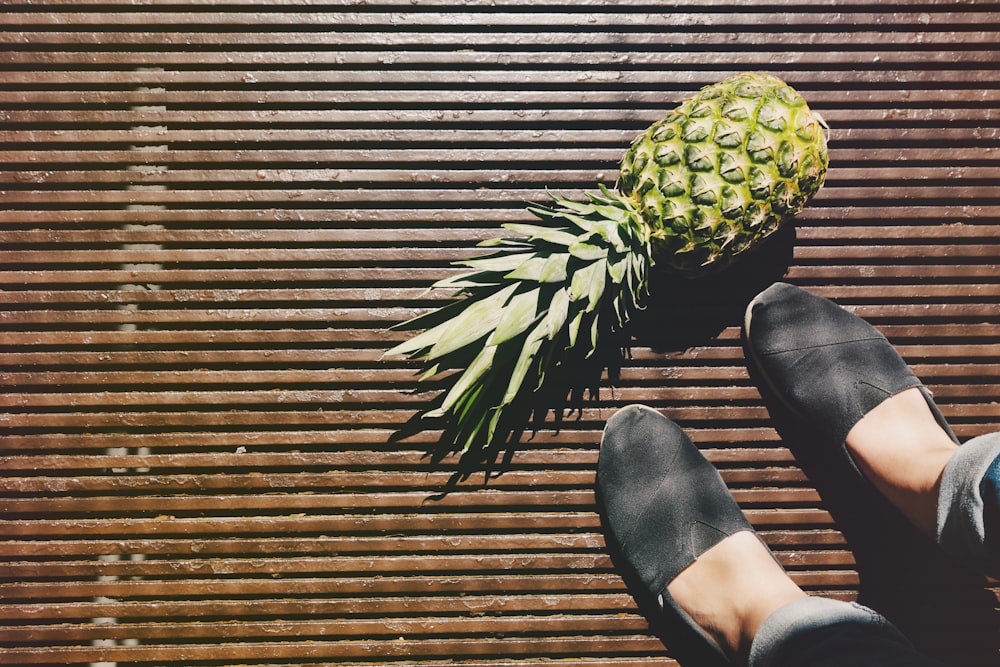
(212, 211)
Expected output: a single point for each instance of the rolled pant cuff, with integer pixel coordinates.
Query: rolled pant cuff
(962, 525)
(806, 615)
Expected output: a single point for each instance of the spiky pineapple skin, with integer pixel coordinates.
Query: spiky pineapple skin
(724, 170)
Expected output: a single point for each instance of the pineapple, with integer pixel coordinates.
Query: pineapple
(697, 190)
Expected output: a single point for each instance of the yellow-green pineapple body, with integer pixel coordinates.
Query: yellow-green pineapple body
(724, 170)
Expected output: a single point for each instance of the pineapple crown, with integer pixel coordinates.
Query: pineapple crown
(530, 312)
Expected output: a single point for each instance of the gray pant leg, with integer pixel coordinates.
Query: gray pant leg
(967, 521)
(818, 632)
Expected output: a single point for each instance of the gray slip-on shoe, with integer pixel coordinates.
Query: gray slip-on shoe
(663, 504)
(827, 366)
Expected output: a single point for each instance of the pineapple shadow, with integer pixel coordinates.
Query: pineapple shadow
(947, 612)
(681, 313)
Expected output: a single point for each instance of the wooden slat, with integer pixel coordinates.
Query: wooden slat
(460, 20)
(210, 214)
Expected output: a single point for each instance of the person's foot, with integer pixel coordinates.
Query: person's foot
(902, 450)
(731, 589)
(846, 382)
(683, 536)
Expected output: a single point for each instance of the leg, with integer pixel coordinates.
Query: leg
(838, 375)
(951, 493)
(968, 516)
(685, 540)
(825, 633)
(902, 450)
(665, 507)
(731, 589)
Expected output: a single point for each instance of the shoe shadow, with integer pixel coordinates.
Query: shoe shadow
(947, 612)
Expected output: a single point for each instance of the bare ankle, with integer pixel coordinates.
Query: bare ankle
(731, 589)
(902, 450)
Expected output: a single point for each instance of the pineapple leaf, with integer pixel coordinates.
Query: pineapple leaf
(597, 288)
(478, 367)
(574, 328)
(491, 429)
(582, 279)
(541, 269)
(569, 212)
(472, 324)
(420, 344)
(501, 262)
(530, 318)
(554, 270)
(519, 314)
(549, 234)
(469, 279)
(610, 233)
(545, 332)
(520, 371)
(587, 251)
(594, 331)
(529, 269)
(617, 270)
(504, 241)
(555, 319)
(478, 410)
(491, 243)
(430, 372)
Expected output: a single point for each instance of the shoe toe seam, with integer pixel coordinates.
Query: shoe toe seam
(771, 353)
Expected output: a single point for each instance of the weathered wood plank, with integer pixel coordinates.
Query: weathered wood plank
(209, 219)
